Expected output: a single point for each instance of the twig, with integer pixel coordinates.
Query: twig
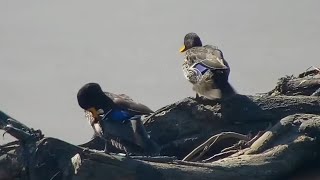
(212, 140)
(55, 175)
(17, 133)
(248, 144)
(220, 156)
(12, 143)
(207, 148)
(160, 159)
(259, 134)
(308, 72)
(193, 164)
(237, 146)
(316, 93)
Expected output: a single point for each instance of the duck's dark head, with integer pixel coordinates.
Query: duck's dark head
(92, 98)
(191, 40)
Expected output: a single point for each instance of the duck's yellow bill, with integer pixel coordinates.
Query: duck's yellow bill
(94, 112)
(183, 49)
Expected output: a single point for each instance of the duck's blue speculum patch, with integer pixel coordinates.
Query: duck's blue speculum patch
(202, 69)
(119, 115)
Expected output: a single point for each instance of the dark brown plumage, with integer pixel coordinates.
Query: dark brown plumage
(116, 118)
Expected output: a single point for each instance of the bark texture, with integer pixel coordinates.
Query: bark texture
(269, 136)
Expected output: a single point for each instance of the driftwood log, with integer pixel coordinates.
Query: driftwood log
(267, 136)
(291, 144)
(306, 83)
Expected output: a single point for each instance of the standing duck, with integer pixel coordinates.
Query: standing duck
(117, 118)
(206, 68)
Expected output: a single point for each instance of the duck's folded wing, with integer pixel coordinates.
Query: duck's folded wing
(209, 56)
(132, 106)
(114, 96)
(214, 64)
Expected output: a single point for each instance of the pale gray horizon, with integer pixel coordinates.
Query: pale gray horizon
(49, 49)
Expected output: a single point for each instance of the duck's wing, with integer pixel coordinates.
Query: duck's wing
(130, 105)
(208, 55)
(126, 102)
(114, 96)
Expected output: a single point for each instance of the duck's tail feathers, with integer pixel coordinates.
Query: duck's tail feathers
(227, 90)
(222, 83)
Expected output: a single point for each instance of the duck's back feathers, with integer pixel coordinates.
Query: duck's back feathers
(113, 96)
(209, 55)
(127, 103)
(133, 106)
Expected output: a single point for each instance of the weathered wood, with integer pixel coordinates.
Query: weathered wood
(242, 114)
(291, 149)
(180, 127)
(11, 161)
(296, 145)
(306, 83)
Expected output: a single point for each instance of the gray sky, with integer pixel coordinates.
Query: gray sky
(49, 49)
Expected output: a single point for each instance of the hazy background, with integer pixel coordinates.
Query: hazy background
(48, 50)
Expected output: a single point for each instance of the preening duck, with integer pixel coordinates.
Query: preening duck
(116, 117)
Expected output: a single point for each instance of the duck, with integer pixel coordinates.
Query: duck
(206, 69)
(117, 118)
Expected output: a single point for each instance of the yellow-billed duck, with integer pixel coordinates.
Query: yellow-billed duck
(206, 68)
